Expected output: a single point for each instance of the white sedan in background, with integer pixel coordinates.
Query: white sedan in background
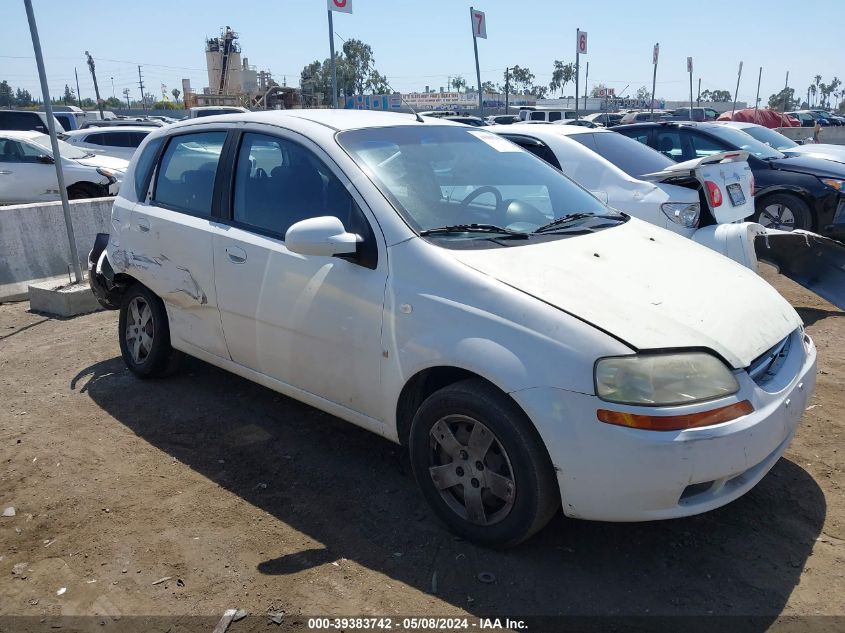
(636, 179)
(28, 173)
(118, 142)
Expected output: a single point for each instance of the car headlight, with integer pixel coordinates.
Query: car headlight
(108, 173)
(663, 379)
(683, 213)
(834, 183)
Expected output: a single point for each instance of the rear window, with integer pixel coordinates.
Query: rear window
(187, 170)
(634, 158)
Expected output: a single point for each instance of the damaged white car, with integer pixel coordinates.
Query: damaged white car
(443, 288)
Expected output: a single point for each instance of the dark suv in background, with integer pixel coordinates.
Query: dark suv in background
(25, 120)
(799, 192)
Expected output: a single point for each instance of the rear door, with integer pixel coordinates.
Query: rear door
(169, 247)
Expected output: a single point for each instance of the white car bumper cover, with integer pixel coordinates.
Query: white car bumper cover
(613, 473)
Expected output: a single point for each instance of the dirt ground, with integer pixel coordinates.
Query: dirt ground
(242, 498)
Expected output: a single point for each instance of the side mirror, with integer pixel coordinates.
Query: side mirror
(47, 160)
(324, 236)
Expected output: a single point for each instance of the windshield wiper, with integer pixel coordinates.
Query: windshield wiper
(572, 217)
(474, 228)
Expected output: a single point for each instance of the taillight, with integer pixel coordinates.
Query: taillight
(753, 187)
(714, 194)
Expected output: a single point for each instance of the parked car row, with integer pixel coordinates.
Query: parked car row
(581, 341)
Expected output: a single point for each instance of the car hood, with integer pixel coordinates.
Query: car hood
(648, 287)
(100, 160)
(810, 165)
(828, 152)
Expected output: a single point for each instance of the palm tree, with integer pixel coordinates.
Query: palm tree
(818, 80)
(811, 90)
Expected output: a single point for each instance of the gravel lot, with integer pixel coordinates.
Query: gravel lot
(242, 498)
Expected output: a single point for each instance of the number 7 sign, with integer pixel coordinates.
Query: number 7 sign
(479, 24)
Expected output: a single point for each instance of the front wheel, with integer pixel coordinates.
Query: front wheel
(144, 334)
(481, 465)
(784, 212)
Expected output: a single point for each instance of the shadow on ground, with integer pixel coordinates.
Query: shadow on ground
(352, 491)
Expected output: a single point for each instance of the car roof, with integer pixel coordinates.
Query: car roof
(338, 120)
(114, 129)
(553, 130)
(21, 134)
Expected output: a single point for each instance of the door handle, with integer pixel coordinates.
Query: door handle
(236, 255)
(143, 224)
(5, 172)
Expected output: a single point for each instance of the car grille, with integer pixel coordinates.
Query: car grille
(767, 365)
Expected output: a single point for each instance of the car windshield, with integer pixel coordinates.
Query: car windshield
(439, 176)
(65, 149)
(770, 137)
(631, 156)
(743, 141)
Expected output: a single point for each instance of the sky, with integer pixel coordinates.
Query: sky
(424, 43)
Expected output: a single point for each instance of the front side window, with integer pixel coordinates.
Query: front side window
(279, 182)
(17, 152)
(187, 170)
(439, 177)
(737, 139)
(770, 137)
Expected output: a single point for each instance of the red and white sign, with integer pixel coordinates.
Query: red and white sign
(689, 64)
(479, 24)
(607, 92)
(343, 6)
(655, 54)
(581, 43)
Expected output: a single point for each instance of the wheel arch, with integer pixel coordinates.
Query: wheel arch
(802, 194)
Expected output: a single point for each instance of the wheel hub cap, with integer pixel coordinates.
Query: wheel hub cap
(777, 216)
(140, 330)
(471, 470)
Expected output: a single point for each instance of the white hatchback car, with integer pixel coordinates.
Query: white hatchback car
(28, 174)
(441, 287)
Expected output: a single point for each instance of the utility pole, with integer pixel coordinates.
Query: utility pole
(507, 89)
(586, 80)
(757, 98)
(655, 55)
(112, 88)
(54, 141)
(698, 97)
(96, 87)
(78, 94)
(334, 61)
(126, 94)
(577, 62)
(736, 92)
(141, 86)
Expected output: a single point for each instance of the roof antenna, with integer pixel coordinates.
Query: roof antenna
(414, 112)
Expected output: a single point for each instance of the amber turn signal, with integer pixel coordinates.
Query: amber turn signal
(676, 422)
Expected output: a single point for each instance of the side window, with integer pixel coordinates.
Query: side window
(95, 139)
(144, 168)
(669, 143)
(18, 120)
(554, 116)
(539, 149)
(136, 138)
(187, 170)
(16, 152)
(703, 146)
(538, 116)
(279, 182)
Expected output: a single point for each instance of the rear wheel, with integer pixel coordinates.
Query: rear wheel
(481, 465)
(144, 334)
(784, 212)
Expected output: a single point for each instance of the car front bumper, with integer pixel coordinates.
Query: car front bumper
(614, 473)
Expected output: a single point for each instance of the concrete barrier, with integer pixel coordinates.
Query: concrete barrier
(33, 241)
(832, 135)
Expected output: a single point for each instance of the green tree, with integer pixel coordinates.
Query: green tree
(539, 91)
(6, 94)
(562, 75)
(114, 102)
(163, 105)
(643, 94)
(176, 94)
(458, 83)
(23, 98)
(522, 79)
(784, 100)
(356, 73)
(489, 87)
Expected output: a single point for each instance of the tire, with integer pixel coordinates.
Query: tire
(144, 334)
(783, 211)
(83, 190)
(514, 464)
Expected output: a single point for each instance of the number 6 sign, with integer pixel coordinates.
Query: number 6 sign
(479, 24)
(581, 45)
(343, 6)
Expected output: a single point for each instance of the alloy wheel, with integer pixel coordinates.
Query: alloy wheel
(140, 329)
(777, 216)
